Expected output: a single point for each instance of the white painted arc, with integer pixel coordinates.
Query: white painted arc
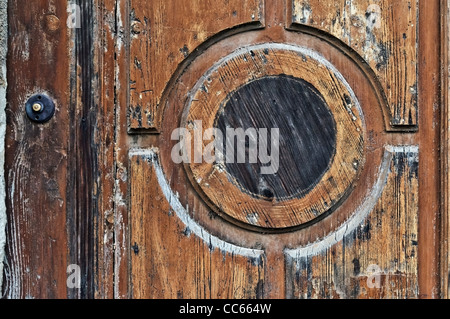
(286, 47)
(183, 213)
(311, 249)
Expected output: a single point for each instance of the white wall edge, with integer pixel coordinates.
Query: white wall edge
(3, 85)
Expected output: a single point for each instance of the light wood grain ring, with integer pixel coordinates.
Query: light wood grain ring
(267, 60)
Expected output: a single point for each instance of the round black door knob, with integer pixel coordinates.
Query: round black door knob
(40, 108)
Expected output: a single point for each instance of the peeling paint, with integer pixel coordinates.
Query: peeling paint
(361, 213)
(306, 13)
(183, 213)
(120, 27)
(3, 84)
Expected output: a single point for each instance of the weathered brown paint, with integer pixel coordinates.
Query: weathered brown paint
(161, 38)
(104, 137)
(383, 33)
(386, 239)
(445, 149)
(258, 104)
(74, 206)
(429, 100)
(168, 261)
(51, 168)
(376, 139)
(37, 156)
(258, 62)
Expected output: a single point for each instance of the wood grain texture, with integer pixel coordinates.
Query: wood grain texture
(167, 261)
(445, 150)
(71, 183)
(306, 143)
(83, 160)
(385, 245)
(37, 155)
(104, 65)
(384, 33)
(121, 246)
(419, 272)
(163, 34)
(273, 60)
(429, 188)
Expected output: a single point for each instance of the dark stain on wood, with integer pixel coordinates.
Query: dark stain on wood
(82, 202)
(307, 135)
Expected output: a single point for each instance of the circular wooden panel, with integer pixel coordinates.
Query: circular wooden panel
(321, 130)
(305, 124)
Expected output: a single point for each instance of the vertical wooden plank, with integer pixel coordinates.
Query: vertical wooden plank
(83, 159)
(445, 149)
(122, 247)
(384, 246)
(104, 50)
(163, 34)
(168, 261)
(37, 155)
(384, 34)
(429, 123)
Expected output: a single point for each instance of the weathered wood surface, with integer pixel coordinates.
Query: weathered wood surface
(163, 34)
(37, 160)
(51, 169)
(379, 258)
(383, 33)
(445, 150)
(79, 192)
(170, 261)
(398, 80)
(307, 135)
(406, 208)
(429, 137)
(339, 172)
(106, 234)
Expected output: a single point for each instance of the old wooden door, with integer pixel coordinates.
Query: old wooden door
(332, 190)
(357, 176)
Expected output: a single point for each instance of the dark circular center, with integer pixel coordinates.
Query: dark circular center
(306, 143)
